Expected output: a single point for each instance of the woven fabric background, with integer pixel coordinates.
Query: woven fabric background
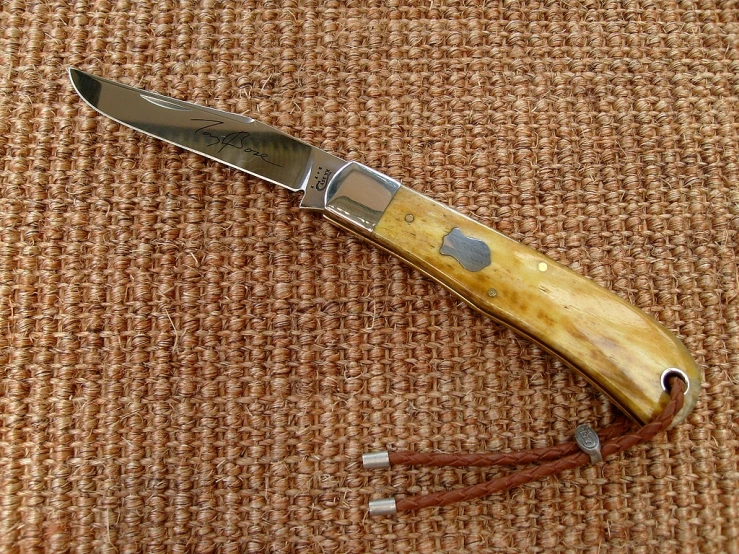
(191, 364)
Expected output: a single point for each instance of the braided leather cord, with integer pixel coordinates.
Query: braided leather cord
(612, 445)
(488, 459)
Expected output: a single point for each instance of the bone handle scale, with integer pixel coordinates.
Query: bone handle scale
(617, 347)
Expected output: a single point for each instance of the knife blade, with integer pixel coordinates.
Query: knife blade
(618, 348)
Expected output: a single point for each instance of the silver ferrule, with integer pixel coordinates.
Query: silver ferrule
(383, 507)
(376, 460)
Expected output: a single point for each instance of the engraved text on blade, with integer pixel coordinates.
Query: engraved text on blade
(236, 139)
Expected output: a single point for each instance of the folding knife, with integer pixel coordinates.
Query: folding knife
(618, 348)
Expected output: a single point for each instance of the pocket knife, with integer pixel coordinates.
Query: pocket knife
(617, 347)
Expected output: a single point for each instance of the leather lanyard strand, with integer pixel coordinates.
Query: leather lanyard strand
(488, 459)
(555, 459)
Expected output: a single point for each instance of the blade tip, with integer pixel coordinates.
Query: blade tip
(77, 78)
(86, 85)
(74, 75)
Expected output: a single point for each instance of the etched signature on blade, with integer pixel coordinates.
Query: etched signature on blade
(235, 139)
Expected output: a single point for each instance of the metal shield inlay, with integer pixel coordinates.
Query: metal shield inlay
(472, 254)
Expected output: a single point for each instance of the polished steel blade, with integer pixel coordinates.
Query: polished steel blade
(235, 140)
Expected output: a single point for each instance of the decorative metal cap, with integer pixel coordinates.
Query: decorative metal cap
(383, 507)
(376, 460)
(589, 442)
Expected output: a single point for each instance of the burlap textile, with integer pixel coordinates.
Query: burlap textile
(192, 364)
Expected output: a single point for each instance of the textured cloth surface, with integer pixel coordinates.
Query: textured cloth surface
(192, 364)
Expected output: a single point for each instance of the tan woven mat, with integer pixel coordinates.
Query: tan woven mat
(190, 363)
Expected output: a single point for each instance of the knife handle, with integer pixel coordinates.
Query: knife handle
(617, 347)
